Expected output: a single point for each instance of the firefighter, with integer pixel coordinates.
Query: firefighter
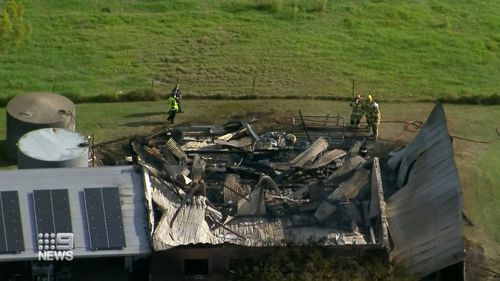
(176, 93)
(173, 107)
(376, 116)
(373, 116)
(357, 111)
(368, 113)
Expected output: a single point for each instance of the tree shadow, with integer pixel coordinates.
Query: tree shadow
(145, 114)
(5, 161)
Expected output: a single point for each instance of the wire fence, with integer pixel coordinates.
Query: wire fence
(132, 88)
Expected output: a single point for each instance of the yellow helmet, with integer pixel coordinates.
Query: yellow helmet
(370, 98)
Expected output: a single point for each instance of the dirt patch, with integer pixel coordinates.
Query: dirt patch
(477, 267)
(113, 153)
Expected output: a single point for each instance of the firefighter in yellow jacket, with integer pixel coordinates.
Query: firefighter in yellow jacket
(373, 116)
(173, 107)
(358, 110)
(376, 116)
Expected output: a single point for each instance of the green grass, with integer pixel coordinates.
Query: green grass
(419, 49)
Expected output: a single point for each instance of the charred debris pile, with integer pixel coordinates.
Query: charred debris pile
(231, 184)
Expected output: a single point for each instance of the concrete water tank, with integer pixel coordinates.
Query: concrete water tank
(33, 111)
(52, 148)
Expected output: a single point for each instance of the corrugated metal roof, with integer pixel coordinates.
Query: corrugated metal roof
(190, 227)
(425, 215)
(131, 186)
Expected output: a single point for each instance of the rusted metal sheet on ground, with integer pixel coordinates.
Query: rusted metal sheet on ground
(325, 210)
(239, 143)
(308, 155)
(425, 215)
(355, 147)
(254, 205)
(233, 192)
(176, 149)
(350, 165)
(352, 187)
(190, 226)
(328, 157)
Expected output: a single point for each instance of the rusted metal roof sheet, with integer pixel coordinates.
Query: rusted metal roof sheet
(308, 155)
(352, 187)
(328, 157)
(425, 215)
(233, 191)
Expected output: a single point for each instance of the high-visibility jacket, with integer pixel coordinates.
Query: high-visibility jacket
(172, 104)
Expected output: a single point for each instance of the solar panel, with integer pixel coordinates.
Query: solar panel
(43, 211)
(61, 209)
(104, 218)
(52, 211)
(95, 218)
(114, 221)
(11, 230)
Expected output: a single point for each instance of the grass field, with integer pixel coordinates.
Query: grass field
(416, 49)
(477, 163)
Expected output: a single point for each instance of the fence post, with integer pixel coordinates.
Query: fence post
(253, 86)
(153, 84)
(353, 88)
(93, 150)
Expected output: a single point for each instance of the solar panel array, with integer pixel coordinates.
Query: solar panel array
(52, 215)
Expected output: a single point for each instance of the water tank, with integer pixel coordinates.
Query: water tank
(33, 111)
(52, 148)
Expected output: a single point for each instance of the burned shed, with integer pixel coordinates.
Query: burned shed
(219, 193)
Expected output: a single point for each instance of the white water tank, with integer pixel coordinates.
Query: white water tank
(52, 148)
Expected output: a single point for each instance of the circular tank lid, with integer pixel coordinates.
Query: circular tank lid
(53, 144)
(40, 108)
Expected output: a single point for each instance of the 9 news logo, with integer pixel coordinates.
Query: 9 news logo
(55, 247)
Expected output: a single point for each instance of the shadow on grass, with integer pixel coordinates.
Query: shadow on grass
(144, 123)
(145, 114)
(4, 160)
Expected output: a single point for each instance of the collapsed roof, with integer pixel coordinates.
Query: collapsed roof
(229, 184)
